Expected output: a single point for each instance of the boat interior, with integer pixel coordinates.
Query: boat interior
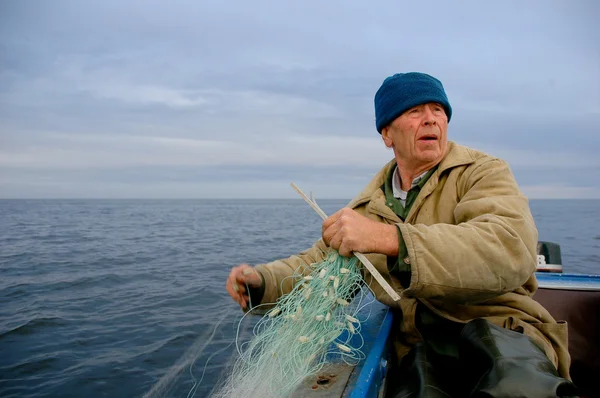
(581, 310)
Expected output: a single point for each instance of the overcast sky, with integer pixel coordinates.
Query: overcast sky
(236, 99)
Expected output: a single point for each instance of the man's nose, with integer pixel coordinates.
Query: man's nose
(429, 119)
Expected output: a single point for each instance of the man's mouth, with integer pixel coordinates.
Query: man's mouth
(428, 138)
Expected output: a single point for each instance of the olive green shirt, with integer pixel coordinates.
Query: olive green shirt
(440, 334)
(397, 265)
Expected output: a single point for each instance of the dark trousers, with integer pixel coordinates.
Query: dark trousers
(491, 362)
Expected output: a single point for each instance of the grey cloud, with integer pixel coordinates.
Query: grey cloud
(522, 78)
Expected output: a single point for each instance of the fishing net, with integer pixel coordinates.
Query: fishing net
(318, 322)
(303, 331)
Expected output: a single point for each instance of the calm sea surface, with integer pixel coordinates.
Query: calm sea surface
(100, 298)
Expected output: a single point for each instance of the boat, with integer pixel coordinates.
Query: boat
(574, 298)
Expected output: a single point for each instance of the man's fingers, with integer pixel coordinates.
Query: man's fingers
(237, 280)
(234, 295)
(342, 243)
(333, 243)
(328, 233)
(329, 221)
(250, 276)
(241, 289)
(239, 286)
(236, 284)
(345, 251)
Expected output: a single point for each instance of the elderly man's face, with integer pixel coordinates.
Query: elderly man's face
(418, 136)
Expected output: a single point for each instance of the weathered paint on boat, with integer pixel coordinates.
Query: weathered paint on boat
(373, 371)
(568, 281)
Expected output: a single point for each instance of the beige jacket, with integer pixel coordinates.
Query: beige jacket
(471, 243)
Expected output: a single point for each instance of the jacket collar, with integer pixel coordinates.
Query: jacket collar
(457, 155)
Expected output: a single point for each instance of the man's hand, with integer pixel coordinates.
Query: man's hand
(347, 232)
(236, 283)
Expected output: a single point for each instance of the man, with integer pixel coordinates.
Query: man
(449, 229)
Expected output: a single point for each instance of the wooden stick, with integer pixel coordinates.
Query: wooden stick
(310, 202)
(360, 256)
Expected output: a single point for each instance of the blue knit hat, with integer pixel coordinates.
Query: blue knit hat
(403, 91)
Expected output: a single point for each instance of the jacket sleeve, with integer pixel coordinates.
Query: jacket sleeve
(491, 248)
(277, 274)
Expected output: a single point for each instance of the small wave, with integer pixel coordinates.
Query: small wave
(179, 339)
(65, 283)
(593, 260)
(15, 291)
(15, 255)
(94, 280)
(34, 365)
(33, 325)
(55, 238)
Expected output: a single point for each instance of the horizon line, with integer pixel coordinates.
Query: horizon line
(225, 198)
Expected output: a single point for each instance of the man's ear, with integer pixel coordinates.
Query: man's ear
(387, 137)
